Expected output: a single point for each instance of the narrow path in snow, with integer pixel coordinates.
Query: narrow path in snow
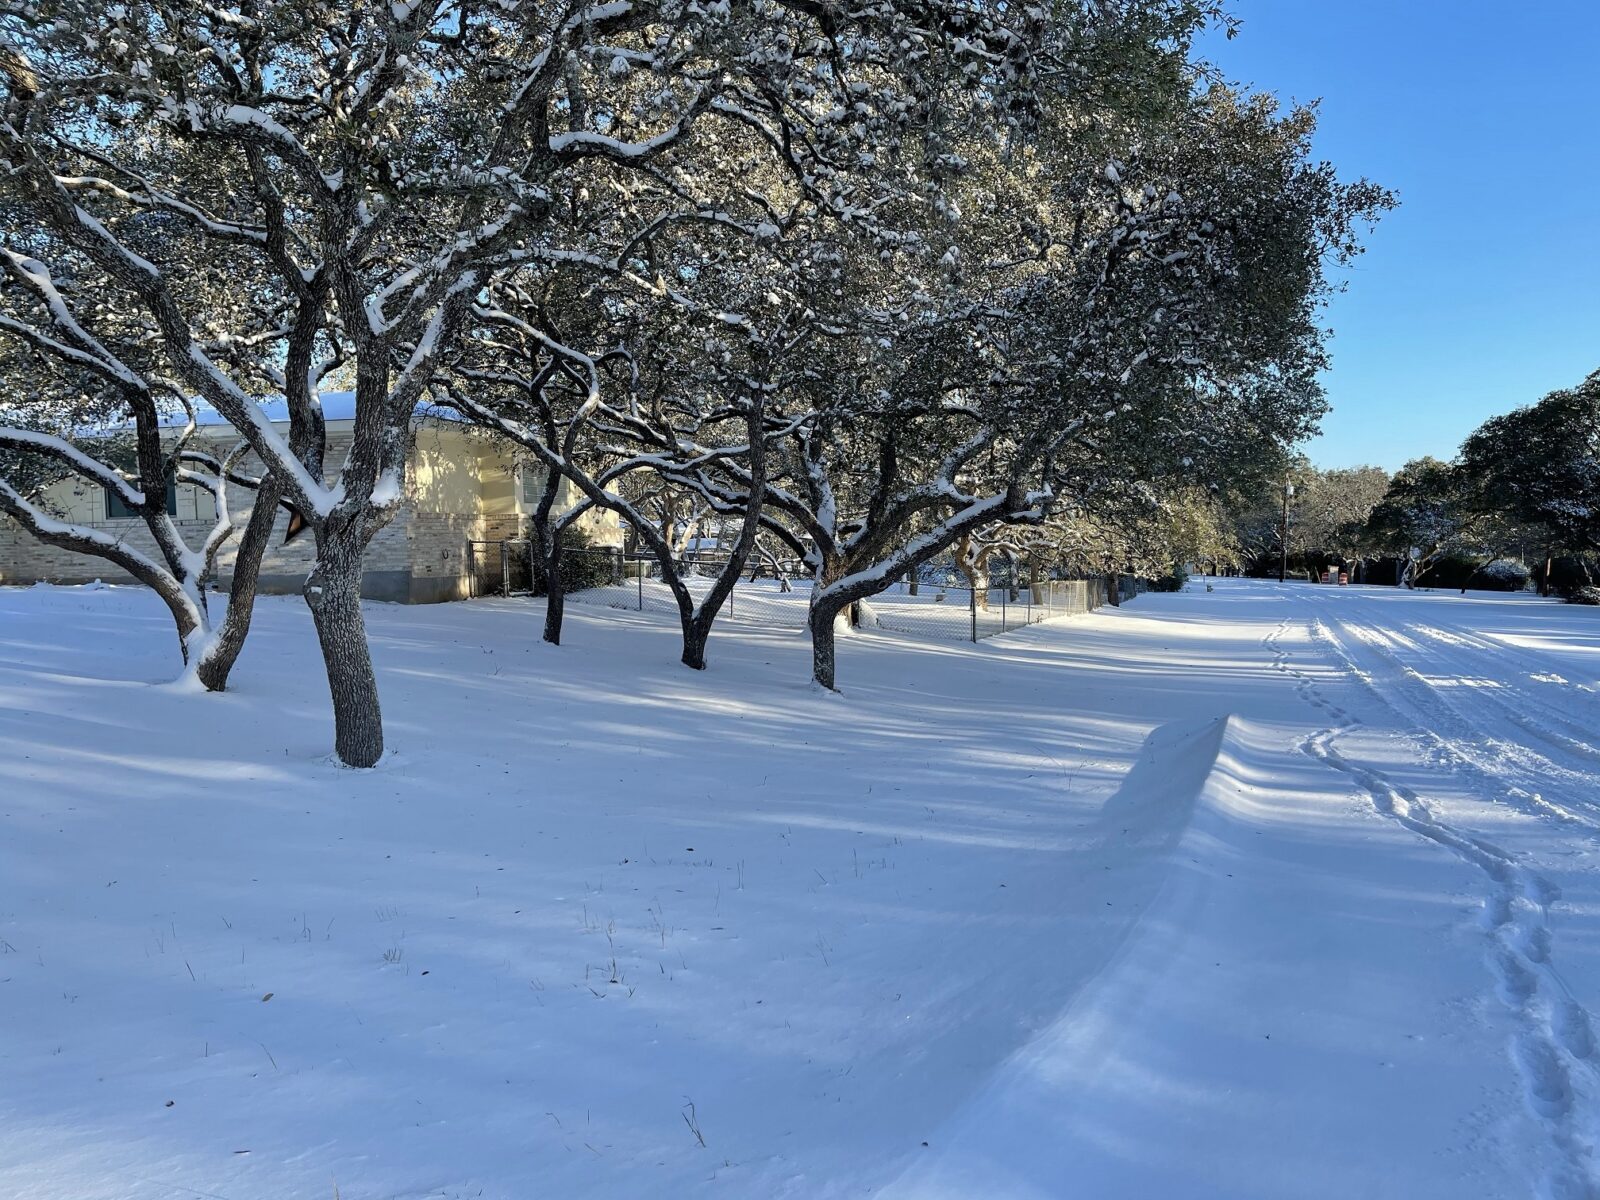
(1554, 1038)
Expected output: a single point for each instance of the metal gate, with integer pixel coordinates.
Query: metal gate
(500, 568)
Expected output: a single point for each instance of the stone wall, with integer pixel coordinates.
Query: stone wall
(418, 558)
(25, 559)
(438, 551)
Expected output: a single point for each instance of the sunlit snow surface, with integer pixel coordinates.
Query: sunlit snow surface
(1259, 892)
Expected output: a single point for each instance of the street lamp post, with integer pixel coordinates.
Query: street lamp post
(1283, 562)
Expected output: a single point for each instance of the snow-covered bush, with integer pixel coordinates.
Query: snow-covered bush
(1501, 575)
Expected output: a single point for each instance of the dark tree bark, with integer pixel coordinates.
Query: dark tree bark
(822, 649)
(555, 597)
(217, 664)
(333, 593)
(547, 535)
(696, 621)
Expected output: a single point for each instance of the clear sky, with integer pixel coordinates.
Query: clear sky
(1482, 291)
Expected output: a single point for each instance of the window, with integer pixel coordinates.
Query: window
(116, 510)
(532, 485)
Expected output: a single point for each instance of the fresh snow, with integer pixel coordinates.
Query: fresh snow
(1267, 891)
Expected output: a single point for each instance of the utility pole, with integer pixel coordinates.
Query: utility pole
(1283, 563)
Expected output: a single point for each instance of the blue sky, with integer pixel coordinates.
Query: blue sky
(1482, 291)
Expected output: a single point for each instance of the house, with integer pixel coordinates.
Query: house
(463, 486)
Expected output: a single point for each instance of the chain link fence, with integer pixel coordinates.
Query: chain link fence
(777, 595)
(956, 612)
(633, 582)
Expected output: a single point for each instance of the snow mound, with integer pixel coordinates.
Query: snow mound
(1158, 1077)
(1012, 1141)
(1157, 796)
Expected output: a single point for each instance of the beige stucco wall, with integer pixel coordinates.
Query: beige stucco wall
(445, 471)
(85, 503)
(462, 485)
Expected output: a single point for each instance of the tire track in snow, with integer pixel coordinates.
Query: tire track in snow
(1554, 1035)
(1540, 667)
(1553, 726)
(1457, 743)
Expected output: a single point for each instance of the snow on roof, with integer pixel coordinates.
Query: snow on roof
(336, 406)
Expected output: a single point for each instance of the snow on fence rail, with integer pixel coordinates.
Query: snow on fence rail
(932, 608)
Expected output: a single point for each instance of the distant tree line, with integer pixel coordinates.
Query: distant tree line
(1518, 506)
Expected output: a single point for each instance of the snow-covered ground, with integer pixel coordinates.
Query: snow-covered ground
(936, 612)
(1260, 892)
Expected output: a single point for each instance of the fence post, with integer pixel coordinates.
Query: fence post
(472, 569)
(638, 573)
(972, 604)
(1005, 593)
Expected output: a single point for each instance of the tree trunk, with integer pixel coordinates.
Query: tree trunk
(555, 610)
(217, 663)
(977, 583)
(697, 620)
(822, 645)
(695, 634)
(547, 548)
(333, 593)
(555, 589)
(1114, 590)
(186, 618)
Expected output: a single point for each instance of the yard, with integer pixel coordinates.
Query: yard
(1259, 892)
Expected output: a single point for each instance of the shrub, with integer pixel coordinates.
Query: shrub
(1171, 582)
(583, 565)
(1569, 575)
(1449, 571)
(1500, 575)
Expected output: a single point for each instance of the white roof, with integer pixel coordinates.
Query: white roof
(336, 406)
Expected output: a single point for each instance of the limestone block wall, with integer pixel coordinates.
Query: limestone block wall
(438, 551)
(419, 557)
(24, 559)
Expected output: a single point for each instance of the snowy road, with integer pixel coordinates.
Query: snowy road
(1501, 726)
(1260, 893)
(1413, 1016)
